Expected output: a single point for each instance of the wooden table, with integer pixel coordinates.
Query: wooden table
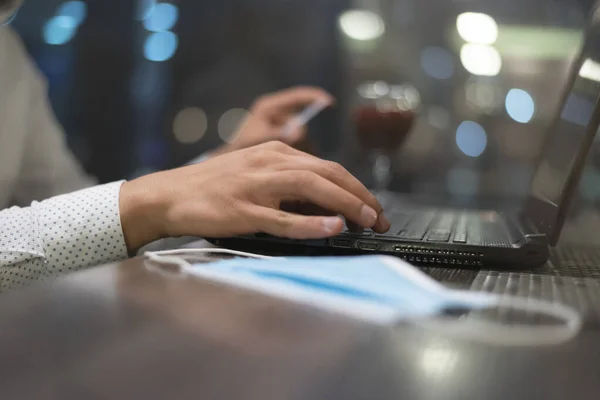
(125, 331)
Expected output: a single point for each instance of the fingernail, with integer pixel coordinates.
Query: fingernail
(331, 224)
(368, 216)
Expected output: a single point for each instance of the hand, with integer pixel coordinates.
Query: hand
(269, 116)
(243, 192)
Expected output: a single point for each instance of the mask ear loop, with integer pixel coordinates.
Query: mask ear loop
(491, 332)
(500, 334)
(179, 258)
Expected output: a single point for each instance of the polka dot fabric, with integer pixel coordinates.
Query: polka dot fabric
(59, 235)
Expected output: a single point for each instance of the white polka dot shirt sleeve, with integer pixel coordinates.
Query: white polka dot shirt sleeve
(59, 235)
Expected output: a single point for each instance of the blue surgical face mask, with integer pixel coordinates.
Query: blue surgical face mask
(382, 290)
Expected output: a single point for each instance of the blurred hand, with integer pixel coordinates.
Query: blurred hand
(244, 192)
(269, 116)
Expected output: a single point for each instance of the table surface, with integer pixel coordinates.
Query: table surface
(127, 331)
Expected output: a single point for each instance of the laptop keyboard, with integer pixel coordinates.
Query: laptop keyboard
(430, 226)
(440, 226)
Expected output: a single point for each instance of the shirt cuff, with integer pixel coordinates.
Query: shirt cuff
(82, 229)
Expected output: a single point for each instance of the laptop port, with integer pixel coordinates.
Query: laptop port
(341, 243)
(367, 245)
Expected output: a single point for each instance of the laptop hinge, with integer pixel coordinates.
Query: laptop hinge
(528, 230)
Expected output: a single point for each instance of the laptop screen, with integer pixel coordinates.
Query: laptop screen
(566, 139)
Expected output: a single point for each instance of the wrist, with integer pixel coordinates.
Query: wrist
(142, 212)
(224, 149)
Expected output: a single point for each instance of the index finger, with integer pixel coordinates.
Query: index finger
(338, 175)
(334, 172)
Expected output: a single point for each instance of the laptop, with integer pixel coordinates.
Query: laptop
(469, 238)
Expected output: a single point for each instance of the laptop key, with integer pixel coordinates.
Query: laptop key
(398, 222)
(460, 233)
(417, 228)
(460, 238)
(441, 229)
(439, 236)
(411, 235)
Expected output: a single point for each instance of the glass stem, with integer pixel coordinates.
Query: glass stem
(381, 170)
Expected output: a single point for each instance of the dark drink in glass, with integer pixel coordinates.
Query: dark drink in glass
(383, 130)
(383, 120)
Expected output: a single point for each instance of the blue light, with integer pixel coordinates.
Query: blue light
(160, 46)
(437, 63)
(520, 105)
(59, 30)
(74, 9)
(163, 17)
(471, 138)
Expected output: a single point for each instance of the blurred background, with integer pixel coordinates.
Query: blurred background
(468, 87)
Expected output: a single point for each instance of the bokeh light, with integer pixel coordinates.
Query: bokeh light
(229, 123)
(437, 63)
(471, 138)
(190, 125)
(361, 25)
(160, 46)
(477, 28)
(59, 30)
(483, 95)
(77, 10)
(520, 105)
(162, 17)
(481, 59)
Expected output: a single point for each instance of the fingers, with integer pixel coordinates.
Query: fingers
(338, 175)
(311, 187)
(282, 224)
(274, 104)
(292, 160)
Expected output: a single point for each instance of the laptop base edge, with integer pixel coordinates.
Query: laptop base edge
(527, 257)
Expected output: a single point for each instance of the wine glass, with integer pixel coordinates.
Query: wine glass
(383, 119)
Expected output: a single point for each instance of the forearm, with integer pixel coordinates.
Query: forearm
(59, 235)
